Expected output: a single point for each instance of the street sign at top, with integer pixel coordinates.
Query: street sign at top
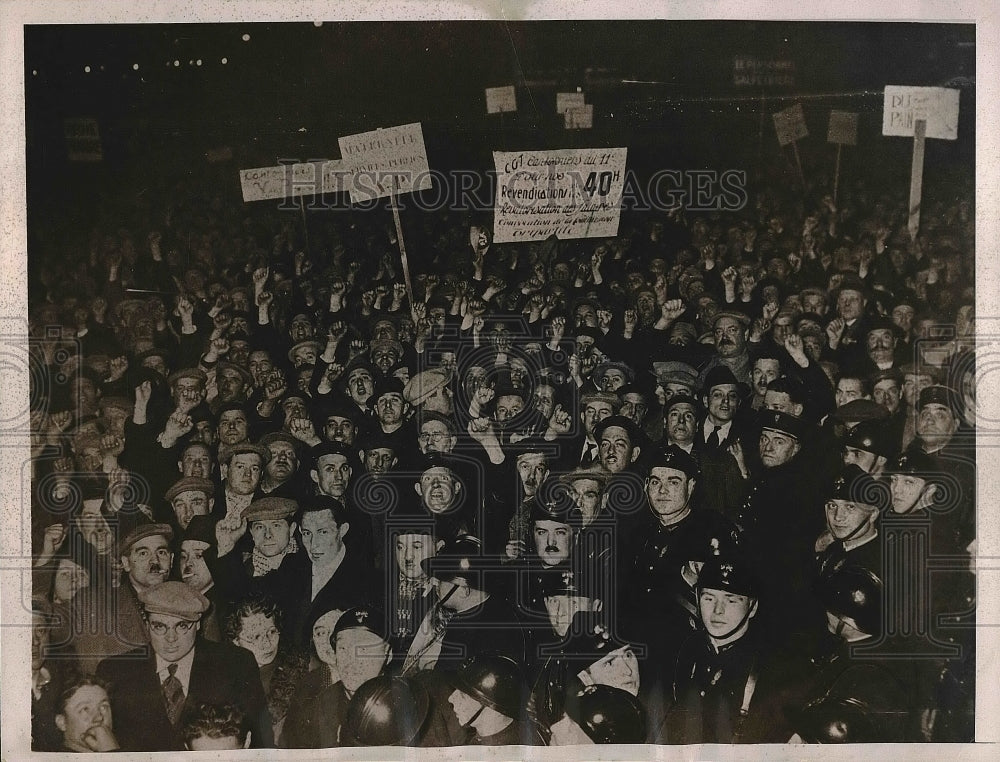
(937, 106)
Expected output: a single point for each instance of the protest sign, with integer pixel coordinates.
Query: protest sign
(292, 180)
(500, 99)
(566, 101)
(751, 71)
(83, 139)
(790, 124)
(937, 106)
(843, 128)
(386, 162)
(570, 193)
(579, 118)
(220, 154)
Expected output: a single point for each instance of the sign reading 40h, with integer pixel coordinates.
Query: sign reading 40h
(570, 193)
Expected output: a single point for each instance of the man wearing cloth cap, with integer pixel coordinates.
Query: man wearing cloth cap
(781, 519)
(847, 332)
(191, 496)
(430, 391)
(731, 332)
(281, 476)
(240, 467)
(197, 549)
(151, 686)
(852, 508)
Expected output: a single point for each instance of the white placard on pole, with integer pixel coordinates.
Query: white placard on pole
(570, 193)
(937, 106)
(790, 124)
(581, 118)
(843, 128)
(566, 101)
(292, 180)
(501, 99)
(380, 160)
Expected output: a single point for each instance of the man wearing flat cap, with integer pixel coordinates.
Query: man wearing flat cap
(430, 391)
(282, 476)
(191, 496)
(151, 686)
(240, 467)
(731, 331)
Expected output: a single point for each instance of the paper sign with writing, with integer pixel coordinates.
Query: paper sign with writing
(938, 106)
(566, 101)
(579, 118)
(843, 128)
(570, 193)
(83, 139)
(750, 71)
(378, 158)
(790, 124)
(500, 99)
(293, 180)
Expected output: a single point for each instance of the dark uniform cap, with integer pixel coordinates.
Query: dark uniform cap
(893, 374)
(674, 457)
(190, 484)
(881, 323)
(871, 436)
(854, 592)
(850, 281)
(854, 485)
(860, 410)
(174, 599)
(362, 617)
(460, 557)
(553, 502)
(608, 715)
(270, 509)
(141, 531)
(791, 425)
(915, 463)
(201, 528)
(677, 399)
(385, 711)
(718, 376)
(940, 395)
(494, 680)
(591, 642)
(731, 574)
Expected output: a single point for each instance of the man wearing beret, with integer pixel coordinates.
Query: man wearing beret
(152, 685)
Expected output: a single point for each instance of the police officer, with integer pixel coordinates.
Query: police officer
(599, 714)
(386, 711)
(852, 510)
(489, 699)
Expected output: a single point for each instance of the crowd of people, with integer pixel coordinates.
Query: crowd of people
(709, 481)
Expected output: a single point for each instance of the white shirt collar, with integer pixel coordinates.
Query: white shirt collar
(183, 672)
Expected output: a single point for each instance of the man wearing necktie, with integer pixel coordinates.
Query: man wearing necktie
(153, 686)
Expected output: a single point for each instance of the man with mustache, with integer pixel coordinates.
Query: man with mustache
(730, 331)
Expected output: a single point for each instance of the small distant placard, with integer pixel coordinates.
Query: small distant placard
(386, 162)
(751, 71)
(500, 99)
(292, 180)
(790, 124)
(220, 154)
(938, 106)
(843, 128)
(566, 101)
(83, 139)
(569, 193)
(579, 118)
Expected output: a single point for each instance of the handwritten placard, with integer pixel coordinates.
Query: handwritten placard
(83, 139)
(579, 118)
(751, 71)
(790, 124)
(570, 193)
(293, 180)
(566, 101)
(938, 106)
(500, 99)
(383, 162)
(843, 128)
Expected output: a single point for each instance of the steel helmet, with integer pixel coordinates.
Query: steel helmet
(385, 711)
(836, 720)
(607, 715)
(493, 680)
(854, 592)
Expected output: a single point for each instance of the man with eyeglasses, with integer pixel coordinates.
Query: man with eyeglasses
(151, 686)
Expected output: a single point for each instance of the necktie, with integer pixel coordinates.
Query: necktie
(713, 438)
(173, 692)
(588, 457)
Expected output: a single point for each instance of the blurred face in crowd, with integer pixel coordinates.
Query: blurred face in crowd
(239, 352)
(230, 384)
(681, 420)
(196, 461)
(233, 427)
(304, 355)
(903, 316)
(553, 541)
(322, 538)
(887, 394)
(863, 459)
(332, 474)
(384, 357)
(595, 411)
(587, 494)
(730, 337)
(586, 315)
(189, 504)
(531, 470)
(881, 343)
(293, 407)
(339, 428)
(562, 608)
(271, 536)
(360, 385)
(844, 518)
(194, 570)
(907, 490)
(544, 400)
(616, 450)
(380, 460)
(848, 390)
(439, 489)
(850, 304)
(148, 561)
(781, 402)
(913, 384)
(94, 527)
(390, 409)
(435, 437)
(361, 655)
(411, 550)
(87, 709)
(242, 474)
(205, 432)
(259, 365)
(777, 447)
(613, 380)
(765, 370)
(813, 346)
(187, 392)
(723, 612)
(619, 669)
(508, 406)
(260, 636)
(114, 420)
(668, 491)
(665, 390)
(69, 578)
(936, 424)
(283, 463)
(321, 632)
(300, 329)
(722, 402)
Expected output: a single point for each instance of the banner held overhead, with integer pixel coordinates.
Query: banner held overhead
(374, 159)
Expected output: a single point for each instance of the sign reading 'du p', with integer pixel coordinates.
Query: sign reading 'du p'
(937, 106)
(386, 162)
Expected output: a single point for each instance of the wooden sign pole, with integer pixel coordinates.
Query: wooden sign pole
(402, 248)
(917, 175)
(305, 227)
(836, 174)
(798, 163)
